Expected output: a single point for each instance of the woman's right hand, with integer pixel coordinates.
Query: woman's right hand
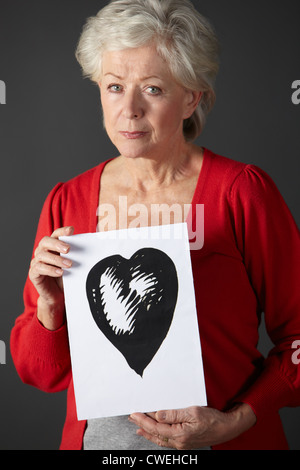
(45, 273)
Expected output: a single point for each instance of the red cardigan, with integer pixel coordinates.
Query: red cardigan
(249, 264)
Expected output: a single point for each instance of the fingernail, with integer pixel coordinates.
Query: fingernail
(132, 417)
(63, 248)
(67, 263)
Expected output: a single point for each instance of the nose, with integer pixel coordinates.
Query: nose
(133, 105)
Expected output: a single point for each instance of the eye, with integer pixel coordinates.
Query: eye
(153, 90)
(115, 88)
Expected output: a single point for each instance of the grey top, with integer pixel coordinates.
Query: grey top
(116, 433)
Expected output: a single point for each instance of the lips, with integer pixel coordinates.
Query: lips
(133, 135)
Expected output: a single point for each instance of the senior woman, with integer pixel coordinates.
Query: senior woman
(155, 63)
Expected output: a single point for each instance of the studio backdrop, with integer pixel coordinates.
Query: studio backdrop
(51, 130)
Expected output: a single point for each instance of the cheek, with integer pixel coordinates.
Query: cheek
(170, 118)
(109, 114)
(108, 106)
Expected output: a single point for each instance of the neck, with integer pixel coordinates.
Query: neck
(158, 173)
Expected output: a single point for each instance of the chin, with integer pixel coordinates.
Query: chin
(134, 153)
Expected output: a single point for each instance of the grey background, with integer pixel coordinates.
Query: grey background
(51, 130)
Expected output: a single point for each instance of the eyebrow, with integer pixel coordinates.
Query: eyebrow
(113, 75)
(121, 78)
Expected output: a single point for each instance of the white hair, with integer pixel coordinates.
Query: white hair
(183, 37)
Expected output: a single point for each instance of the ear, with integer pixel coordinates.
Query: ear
(193, 100)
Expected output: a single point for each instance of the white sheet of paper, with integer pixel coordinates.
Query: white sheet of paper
(105, 384)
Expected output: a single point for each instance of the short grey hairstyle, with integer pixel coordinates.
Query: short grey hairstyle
(183, 37)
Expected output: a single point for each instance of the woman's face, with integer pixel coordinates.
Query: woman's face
(143, 106)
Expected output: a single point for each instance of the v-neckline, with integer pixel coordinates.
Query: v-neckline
(96, 188)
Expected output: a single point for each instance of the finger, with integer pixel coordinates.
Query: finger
(52, 259)
(161, 441)
(63, 232)
(51, 244)
(173, 416)
(151, 414)
(41, 269)
(150, 425)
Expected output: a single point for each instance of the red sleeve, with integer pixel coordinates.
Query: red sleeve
(41, 357)
(268, 239)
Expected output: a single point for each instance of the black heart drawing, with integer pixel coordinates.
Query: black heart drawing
(133, 301)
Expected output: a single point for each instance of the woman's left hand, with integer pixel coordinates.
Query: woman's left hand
(194, 427)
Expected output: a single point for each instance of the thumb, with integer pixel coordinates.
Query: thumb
(172, 416)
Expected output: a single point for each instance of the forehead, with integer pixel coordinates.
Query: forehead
(140, 62)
